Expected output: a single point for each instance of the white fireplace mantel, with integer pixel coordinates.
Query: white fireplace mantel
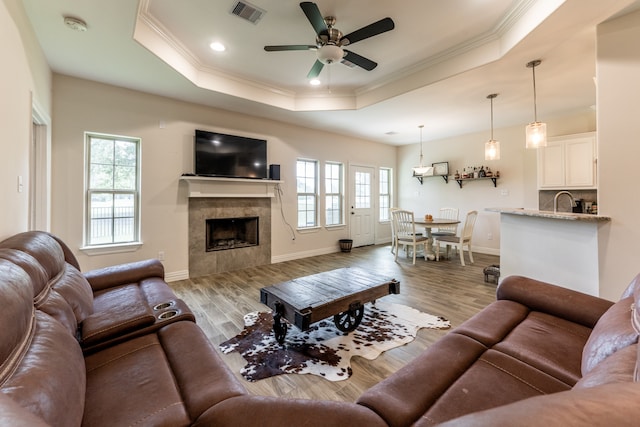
(204, 186)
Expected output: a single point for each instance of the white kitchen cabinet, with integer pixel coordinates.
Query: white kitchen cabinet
(568, 162)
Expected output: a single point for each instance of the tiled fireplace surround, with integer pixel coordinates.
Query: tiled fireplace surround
(235, 198)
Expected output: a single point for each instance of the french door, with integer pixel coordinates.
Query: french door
(362, 209)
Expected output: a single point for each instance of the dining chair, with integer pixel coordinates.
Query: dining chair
(393, 232)
(405, 230)
(447, 230)
(460, 241)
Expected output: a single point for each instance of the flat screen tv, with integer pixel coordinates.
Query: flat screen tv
(218, 154)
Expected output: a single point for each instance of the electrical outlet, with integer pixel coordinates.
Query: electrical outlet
(161, 255)
(489, 236)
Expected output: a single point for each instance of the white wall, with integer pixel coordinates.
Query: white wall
(81, 105)
(516, 187)
(25, 80)
(618, 68)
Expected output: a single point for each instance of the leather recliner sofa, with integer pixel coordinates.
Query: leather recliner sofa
(116, 347)
(541, 355)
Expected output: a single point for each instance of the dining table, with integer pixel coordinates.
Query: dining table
(428, 225)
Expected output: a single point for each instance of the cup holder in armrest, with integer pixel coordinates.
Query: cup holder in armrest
(167, 314)
(163, 305)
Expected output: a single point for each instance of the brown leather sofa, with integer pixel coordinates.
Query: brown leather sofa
(540, 355)
(115, 347)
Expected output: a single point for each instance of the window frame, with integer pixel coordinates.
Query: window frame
(329, 194)
(305, 194)
(113, 246)
(385, 193)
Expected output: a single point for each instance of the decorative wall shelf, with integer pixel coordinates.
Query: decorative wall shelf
(492, 178)
(204, 186)
(421, 177)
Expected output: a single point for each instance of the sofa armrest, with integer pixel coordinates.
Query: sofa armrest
(555, 300)
(267, 411)
(108, 277)
(12, 414)
(604, 406)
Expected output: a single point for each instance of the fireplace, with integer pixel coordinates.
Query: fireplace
(231, 233)
(240, 224)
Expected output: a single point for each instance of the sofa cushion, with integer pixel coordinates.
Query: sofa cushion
(495, 379)
(613, 332)
(549, 343)
(63, 282)
(42, 364)
(167, 378)
(116, 312)
(617, 368)
(49, 380)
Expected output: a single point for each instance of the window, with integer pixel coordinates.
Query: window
(333, 194)
(385, 193)
(112, 213)
(307, 189)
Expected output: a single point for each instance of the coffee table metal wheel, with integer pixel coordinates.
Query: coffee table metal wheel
(349, 320)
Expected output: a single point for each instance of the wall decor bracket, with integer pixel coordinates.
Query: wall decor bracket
(492, 178)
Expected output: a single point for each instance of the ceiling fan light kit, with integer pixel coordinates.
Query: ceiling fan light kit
(328, 54)
(536, 132)
(330, 41)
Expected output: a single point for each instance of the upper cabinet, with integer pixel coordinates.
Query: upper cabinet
(568, 162)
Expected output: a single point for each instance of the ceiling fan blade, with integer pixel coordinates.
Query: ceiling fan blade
(381, 26)
(289, 47)
(314, 16)
(360, 61)
(315, 70)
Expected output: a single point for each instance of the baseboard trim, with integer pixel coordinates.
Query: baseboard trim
(174, 276)
(305, 254)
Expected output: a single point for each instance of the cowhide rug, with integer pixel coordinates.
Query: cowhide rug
(323, 349)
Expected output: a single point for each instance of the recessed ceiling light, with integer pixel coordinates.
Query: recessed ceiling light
(314, 82)
(75, 24)
(391, 132)
(217, 46)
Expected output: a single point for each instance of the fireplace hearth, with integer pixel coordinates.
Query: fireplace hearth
(232, 233)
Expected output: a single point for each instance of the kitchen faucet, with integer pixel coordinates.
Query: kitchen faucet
(558, 194)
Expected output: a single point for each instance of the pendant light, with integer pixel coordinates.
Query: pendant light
(492, 147)
(536, 132)
(421, 170)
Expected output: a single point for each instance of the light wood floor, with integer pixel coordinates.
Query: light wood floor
(443, 288)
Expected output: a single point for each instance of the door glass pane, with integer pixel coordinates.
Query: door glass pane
(363, 190)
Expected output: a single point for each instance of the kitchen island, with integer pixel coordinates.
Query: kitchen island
(555, 247)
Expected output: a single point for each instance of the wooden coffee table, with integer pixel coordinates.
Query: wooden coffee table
(340, 293)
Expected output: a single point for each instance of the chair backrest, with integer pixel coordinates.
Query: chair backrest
(448, 213)
(469, 223)
(403, 224)
(393, 228)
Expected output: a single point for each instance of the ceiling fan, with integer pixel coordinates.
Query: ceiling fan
(330, 41)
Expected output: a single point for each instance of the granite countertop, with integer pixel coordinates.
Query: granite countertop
(550, 214)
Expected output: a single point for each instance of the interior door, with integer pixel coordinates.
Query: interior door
(362, 212)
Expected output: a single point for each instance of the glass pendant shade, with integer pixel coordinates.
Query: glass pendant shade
(492, 147)
(536, 135)
(492, 150)
(421, 170)
(536, 132)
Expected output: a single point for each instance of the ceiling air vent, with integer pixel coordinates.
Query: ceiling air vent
(248, 12)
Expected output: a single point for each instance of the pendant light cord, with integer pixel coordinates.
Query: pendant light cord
(491, 98)
(535, 102)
